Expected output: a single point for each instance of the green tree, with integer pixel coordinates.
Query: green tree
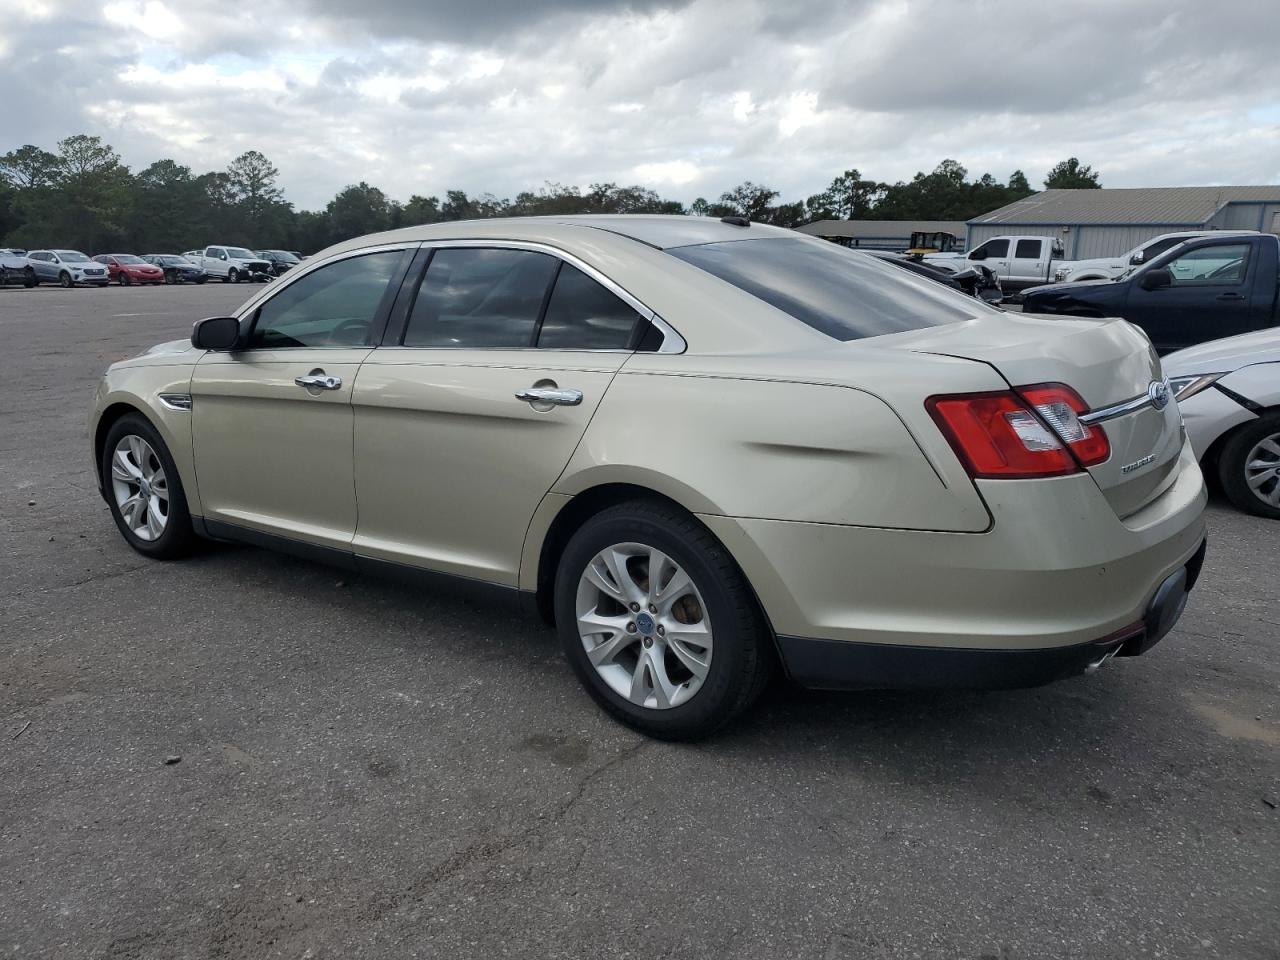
(420, 210)
(849, 197)
(359, 209)
(170, 209)
(750, 200)
(252, 181)
(86, 207)
(1018, 185)
(29, 167)
(1070, 174)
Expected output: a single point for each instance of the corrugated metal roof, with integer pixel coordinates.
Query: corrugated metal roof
(869, 229)
(1154, 205)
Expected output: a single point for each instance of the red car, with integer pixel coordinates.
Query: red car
(125, 268)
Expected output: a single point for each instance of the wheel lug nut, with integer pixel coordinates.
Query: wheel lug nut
(662, 631)
(652, 608)
(648, 641)
(631, 628)
(635, 607)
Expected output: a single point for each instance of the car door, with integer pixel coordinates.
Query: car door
(467, 417)
(40, 264)
(996, 256)
(272, 421)
(1209, 297)
(215, 260)
(1029, 261)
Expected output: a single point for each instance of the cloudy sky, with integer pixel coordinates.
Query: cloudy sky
(690, 98)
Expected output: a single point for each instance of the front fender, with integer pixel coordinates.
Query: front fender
(138, 387)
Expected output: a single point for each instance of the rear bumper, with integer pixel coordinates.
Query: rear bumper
(1056, 575)
(841, 665)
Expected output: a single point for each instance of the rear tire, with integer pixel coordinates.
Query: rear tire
(1249, 467)
(736, 660)
(163, 493)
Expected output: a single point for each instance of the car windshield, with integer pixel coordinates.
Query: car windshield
(839, 292)
(129, 258)
(282, 255)
(240, 253)
(174, 261)
(72, 256)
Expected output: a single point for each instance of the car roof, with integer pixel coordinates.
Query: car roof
(653, 230)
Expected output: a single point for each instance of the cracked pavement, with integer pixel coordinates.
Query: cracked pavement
(370, 770)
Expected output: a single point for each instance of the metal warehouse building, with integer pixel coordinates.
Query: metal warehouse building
(1108, 222)
(881, 234)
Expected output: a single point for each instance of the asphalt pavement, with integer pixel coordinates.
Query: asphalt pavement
(244, 755)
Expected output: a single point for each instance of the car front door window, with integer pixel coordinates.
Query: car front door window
(333, 306)
(1218, 266)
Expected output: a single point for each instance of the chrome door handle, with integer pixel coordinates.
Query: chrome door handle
(313, 381)
(560, 397)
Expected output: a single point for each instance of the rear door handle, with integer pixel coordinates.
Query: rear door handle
(318, 381)
(561, 397)
(1230, 296)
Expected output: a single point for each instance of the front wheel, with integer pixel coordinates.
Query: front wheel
(64, 279)
(233, 275)
(659, 623)
(29, 278)
(1249, 467)
(124, 279)
(144, 490)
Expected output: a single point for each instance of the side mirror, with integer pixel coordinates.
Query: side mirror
(1137, 258)
(216, 333)
(979, 254)
(1156, 278)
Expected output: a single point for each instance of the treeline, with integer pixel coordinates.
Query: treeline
(84, 197)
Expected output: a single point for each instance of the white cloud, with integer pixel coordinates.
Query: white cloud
(688, 96)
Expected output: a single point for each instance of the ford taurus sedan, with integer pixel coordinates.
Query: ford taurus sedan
(702, 449)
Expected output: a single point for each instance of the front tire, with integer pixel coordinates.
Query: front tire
(64, 280)
(233, 275)
(144, 490)
(1249, 467)
(29, 279)
(124, 279)
(675, 652)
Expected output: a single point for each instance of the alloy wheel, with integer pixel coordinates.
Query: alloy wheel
(140, 487)
(1262, 470)
(644, 625)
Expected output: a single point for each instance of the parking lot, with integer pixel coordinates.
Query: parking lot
(246, 755)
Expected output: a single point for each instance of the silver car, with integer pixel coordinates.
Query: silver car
(700, 447)
(1229, 393)
(67, 268)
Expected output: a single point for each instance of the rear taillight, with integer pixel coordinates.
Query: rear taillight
(1034, 432)
(1061, 408)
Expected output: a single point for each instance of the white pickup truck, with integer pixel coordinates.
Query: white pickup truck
(1108, 268)
(1017, 261)
(232, 264)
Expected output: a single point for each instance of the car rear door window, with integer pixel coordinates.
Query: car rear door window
(473, 297)
(583, 315)
(1027, 250)
(332, 306)
(839, 292)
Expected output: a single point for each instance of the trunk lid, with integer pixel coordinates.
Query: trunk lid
(1107, 362)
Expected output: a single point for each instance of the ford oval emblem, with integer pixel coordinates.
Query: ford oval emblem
(1158, 393)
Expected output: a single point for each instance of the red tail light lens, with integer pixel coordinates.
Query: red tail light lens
(996, 435)
(1034, 432)
(1061, 407)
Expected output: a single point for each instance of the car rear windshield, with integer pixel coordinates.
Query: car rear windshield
(839, 292)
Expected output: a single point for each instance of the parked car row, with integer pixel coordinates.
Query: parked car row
(71, 268)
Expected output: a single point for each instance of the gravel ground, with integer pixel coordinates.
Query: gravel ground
(368, 770)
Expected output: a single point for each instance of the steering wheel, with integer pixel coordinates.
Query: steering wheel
(336, 334)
